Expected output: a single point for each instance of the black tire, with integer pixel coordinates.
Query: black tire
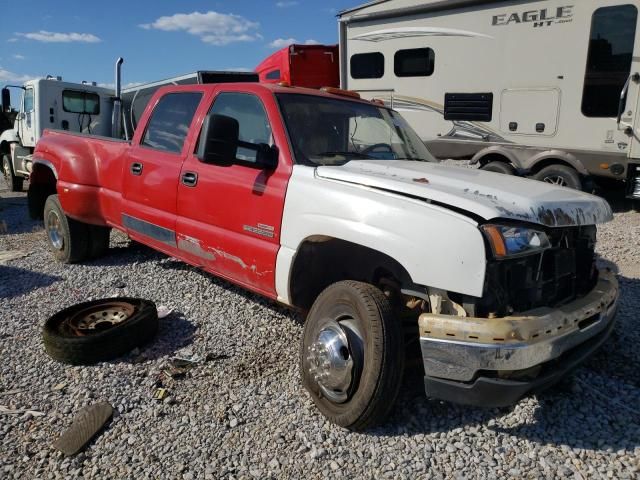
(499, 167)
(78, 335)
(14, 182)
(68, 239)
(560, 175)
(375, 346)
(98, 240)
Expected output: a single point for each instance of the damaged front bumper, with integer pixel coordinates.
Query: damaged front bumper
(495, 362)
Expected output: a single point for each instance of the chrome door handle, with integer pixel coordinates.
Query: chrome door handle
(190, 179)
(136, 168)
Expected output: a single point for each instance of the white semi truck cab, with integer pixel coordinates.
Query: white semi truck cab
(48, 103)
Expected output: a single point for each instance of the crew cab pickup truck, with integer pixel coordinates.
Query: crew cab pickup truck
(332, 205)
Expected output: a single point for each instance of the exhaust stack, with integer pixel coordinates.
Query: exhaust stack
(116, 122)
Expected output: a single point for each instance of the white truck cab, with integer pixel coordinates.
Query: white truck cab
(49, 103)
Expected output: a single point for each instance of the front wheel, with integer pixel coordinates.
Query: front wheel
(352, 358)
(68, 238)
(14, 182)
(560, 175)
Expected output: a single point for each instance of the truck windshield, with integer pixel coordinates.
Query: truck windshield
(327, 131)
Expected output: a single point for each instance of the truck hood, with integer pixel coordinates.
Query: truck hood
(487, 195)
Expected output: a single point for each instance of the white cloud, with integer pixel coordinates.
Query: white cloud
(286, 3)
(211, 27)
(12, 39)
(57, 37)
(10, 77)
(17, 56)
(284, 42)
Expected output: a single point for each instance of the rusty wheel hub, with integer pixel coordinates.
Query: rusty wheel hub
(99, 318)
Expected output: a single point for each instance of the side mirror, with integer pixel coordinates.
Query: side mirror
(267, 156)
(6, 99)
(219, 140)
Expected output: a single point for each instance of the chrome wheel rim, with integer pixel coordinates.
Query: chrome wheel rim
(335, 358)
(54, 230)
(556, 180)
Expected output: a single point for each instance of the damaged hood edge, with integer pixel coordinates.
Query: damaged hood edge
(485, 194)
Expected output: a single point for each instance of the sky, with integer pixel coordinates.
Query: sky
(157, 38)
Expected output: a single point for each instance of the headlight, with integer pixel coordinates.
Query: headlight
(507, 241)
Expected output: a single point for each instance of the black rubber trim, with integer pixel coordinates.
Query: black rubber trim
(498, 392)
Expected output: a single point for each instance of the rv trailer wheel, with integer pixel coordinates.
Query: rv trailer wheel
(560, 175)
(499, 167)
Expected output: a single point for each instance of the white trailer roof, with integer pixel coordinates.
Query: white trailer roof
(396, 8)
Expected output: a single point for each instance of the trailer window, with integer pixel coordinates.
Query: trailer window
(609, 59)
(248, 111)
(273, 75)
(74, 101)
(170, 121)
(414, 62)
(367, 65)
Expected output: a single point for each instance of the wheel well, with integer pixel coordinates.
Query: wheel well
(494, 157)
(42, 184)
(551, 161)
(322, 261)
(4, 147)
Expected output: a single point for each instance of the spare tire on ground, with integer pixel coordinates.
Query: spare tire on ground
(99, 330)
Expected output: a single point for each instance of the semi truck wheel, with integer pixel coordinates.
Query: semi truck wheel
(499, 167)
(560, 175)
(352, 356)
(68, 238)
(14, 182)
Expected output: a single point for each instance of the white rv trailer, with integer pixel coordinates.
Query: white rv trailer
(548, 89)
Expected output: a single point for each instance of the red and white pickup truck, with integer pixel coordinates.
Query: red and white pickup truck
(332, 205)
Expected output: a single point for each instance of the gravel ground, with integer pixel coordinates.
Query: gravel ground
(244, 414)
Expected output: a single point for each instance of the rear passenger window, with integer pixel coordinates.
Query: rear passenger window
(367, 65)
(170, 121)
(247, 109)
(414, 62)
(273, 75)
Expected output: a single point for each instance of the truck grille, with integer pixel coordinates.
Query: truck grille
(556, 276)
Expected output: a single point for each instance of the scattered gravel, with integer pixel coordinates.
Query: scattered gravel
(243, 413)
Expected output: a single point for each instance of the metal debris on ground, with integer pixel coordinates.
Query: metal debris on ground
(4, 410)
(160, 393)
(87, 423)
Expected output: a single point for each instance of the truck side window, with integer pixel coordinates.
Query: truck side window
(170, 121)
(273, 75)
(28, 100)
(611, 41)
(247, 109)
(367, 65)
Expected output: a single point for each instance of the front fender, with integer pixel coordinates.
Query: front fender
(9, 136)
(436, 246)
